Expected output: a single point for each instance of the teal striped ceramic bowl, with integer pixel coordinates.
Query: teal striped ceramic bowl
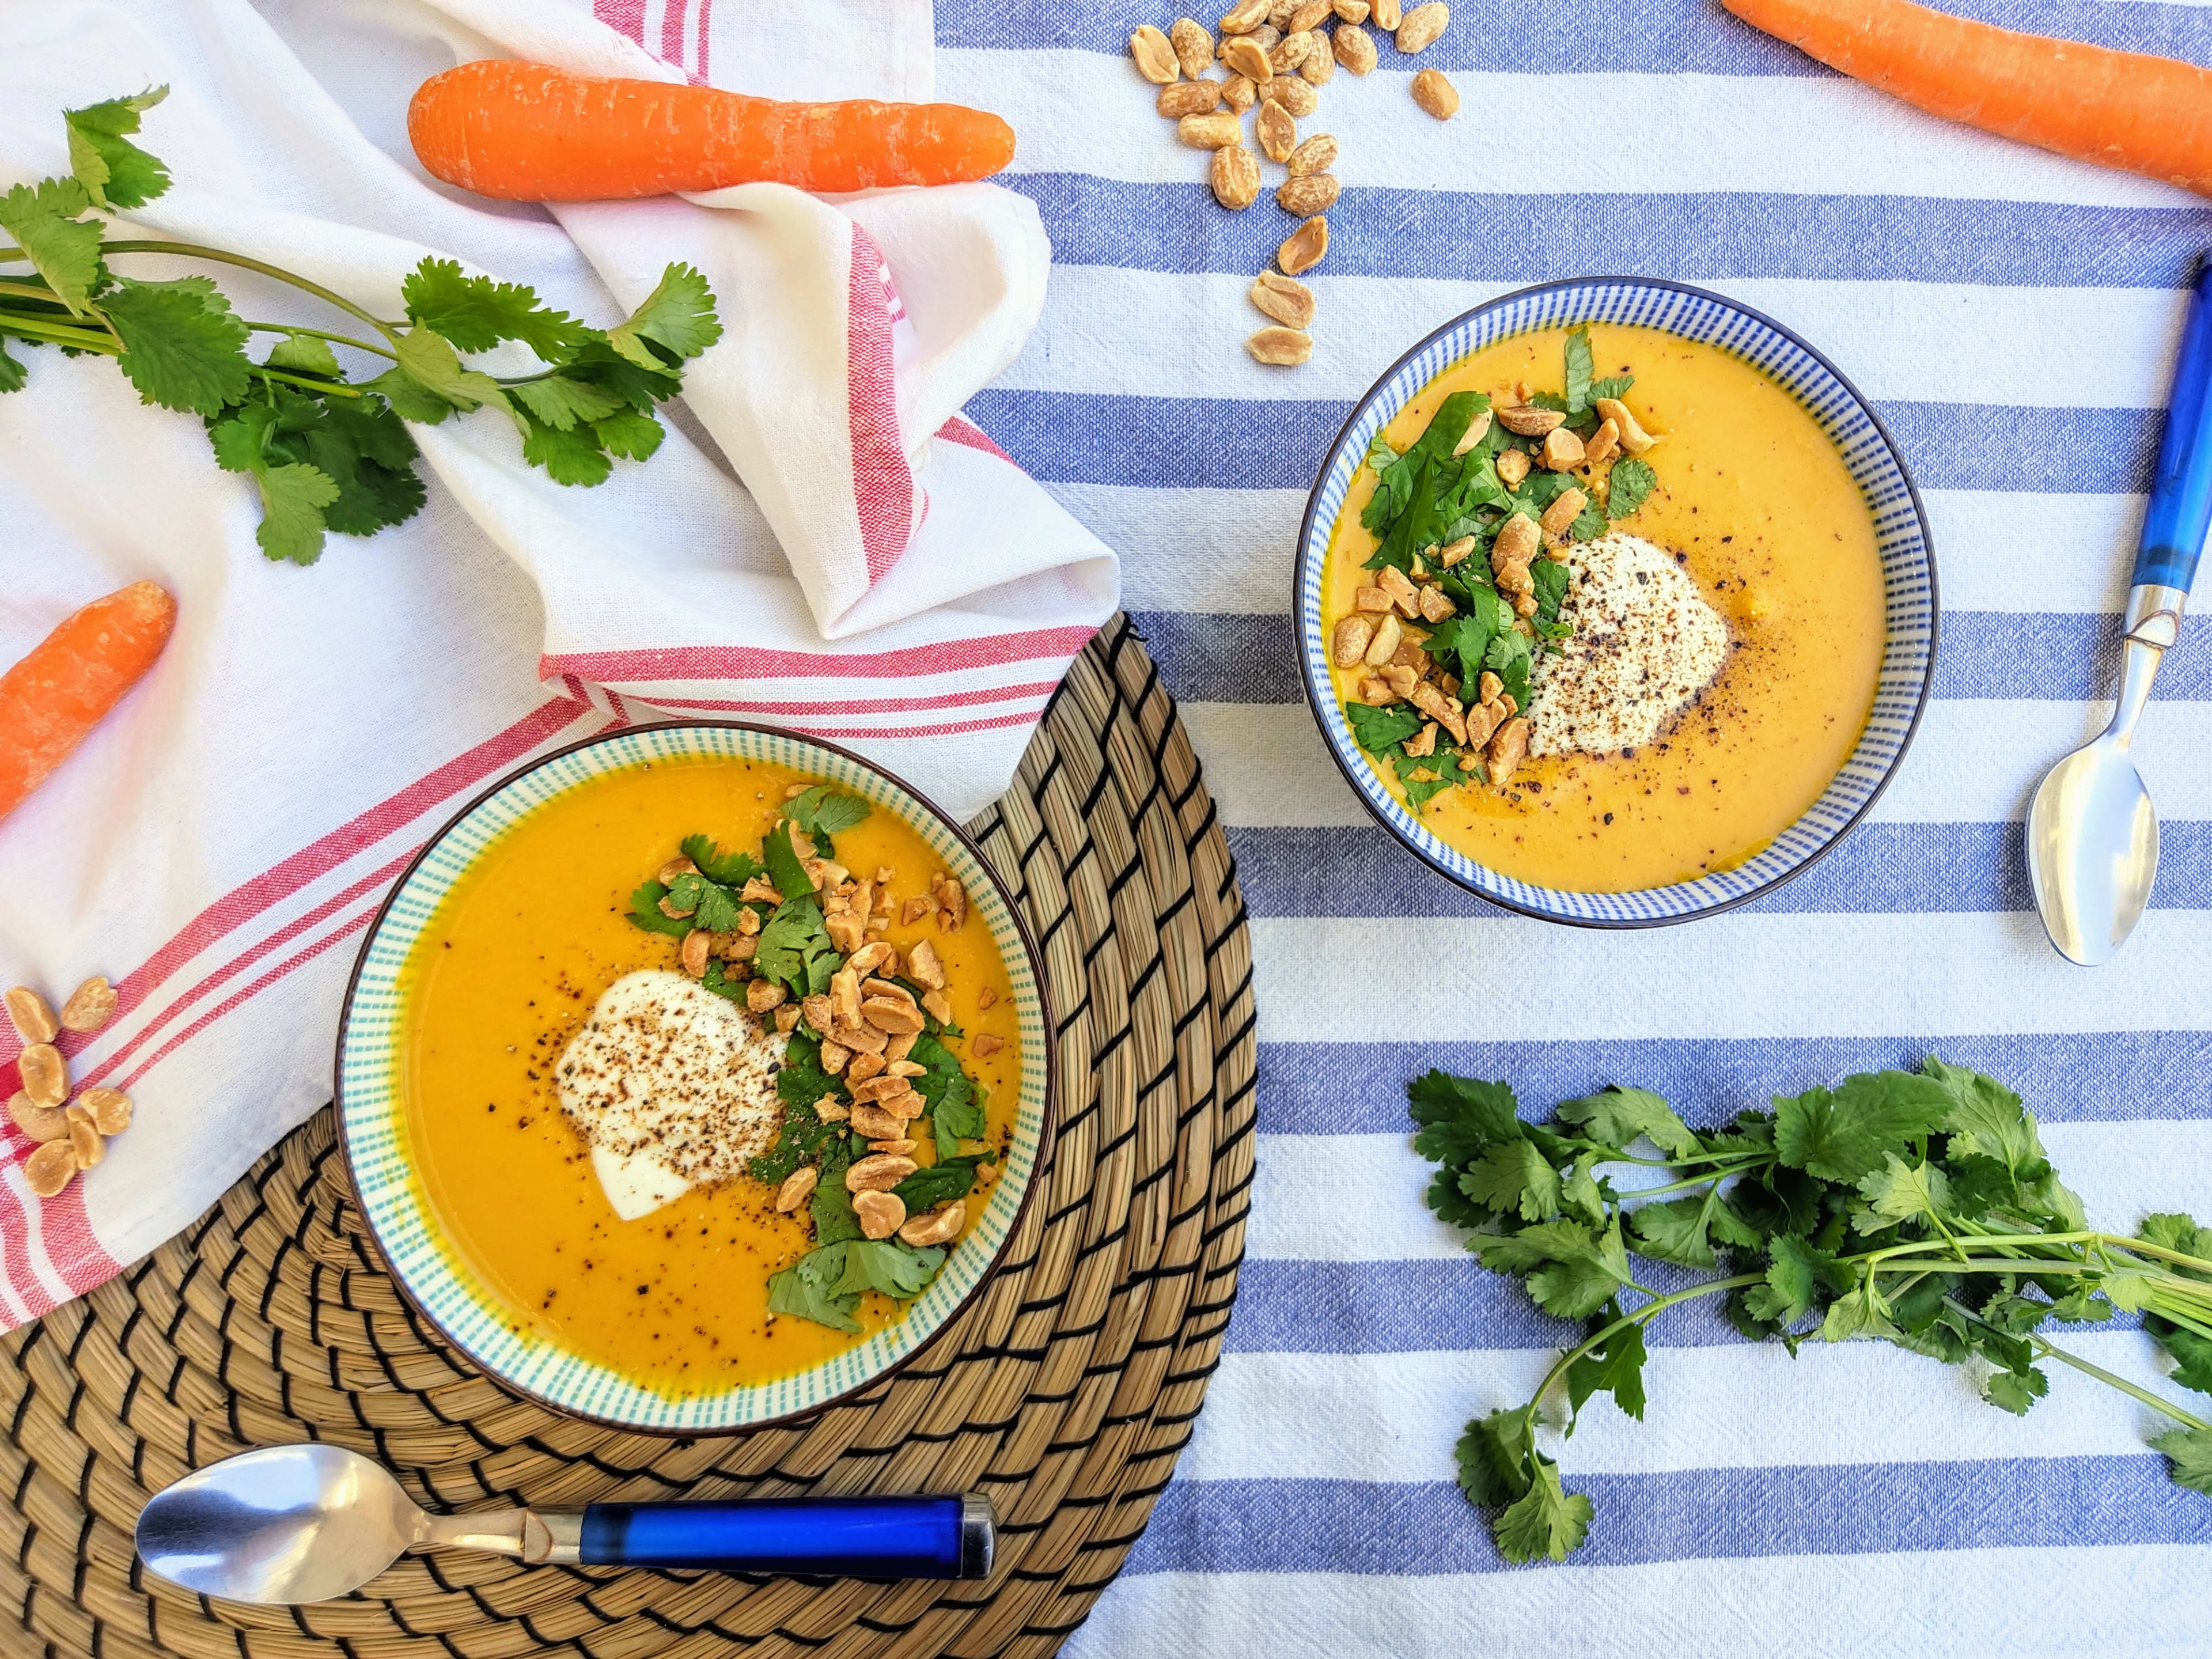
(429, 1270)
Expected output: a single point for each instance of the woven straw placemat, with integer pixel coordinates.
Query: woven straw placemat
(1065, 1392)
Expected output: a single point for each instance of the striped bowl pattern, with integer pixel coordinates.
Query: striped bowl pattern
(1901, 532)
(371, 1113)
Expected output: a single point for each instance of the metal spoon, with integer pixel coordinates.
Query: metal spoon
(305, 1524)
(2091, 837)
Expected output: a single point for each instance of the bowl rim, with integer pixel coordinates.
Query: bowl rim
(1041, 1166)
(1314, 694)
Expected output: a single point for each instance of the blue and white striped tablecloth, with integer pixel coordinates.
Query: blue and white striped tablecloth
(2014, 316)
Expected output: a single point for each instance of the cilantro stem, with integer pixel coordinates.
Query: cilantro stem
(335, 388)
(1642, 1315)
(195, 251)
(1715, 1177)
(2052, 1351)
(34, 291)
(316, 334)
(59, 333)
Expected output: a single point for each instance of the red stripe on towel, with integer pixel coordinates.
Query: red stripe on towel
(883, 483)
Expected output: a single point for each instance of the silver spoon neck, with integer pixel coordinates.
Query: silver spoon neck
(537, 1536)
(2152, 624)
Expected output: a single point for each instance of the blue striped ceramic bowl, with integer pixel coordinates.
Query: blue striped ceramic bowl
(1901, 530)
(372, 1120)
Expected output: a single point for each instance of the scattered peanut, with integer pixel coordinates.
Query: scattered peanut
(1317, 66)
(1633, 438)
(1210, 131)
(1314, 194)
(1303, 248)
(1240, 94)
(1309, 15)
(1420, 26)
(1190, 97)
(1512, 466)
(797, 1187)
(1434, 92)
(1194, 47)
(987, 1044)
(938, 1227)
(1562, 450)
(50, 1168)
(1452, 552)
(1563, 512)
(1282, 348)
(1245, 16)
(877, 1172)
(1351, 11)
(1527, 421)
(1354, 48)
(1277, 132)
(1286, 299)
(1602, 443)
(1295, 94)
(1386, 15)
(45, 1073)
(39, 1123)
(1423, 742)
(85, 1143)
(1516, 543)
(1291, 51)
(1316, 154)
(32, 1019)
(1248, 57)
(880, 1214)
(1507, 748)
(1347, 649)
(1388, 634)
(764, 995)
(1155, 58)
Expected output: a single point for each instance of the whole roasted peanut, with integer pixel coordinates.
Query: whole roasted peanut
(1190, 97)
(1277, 132)
(50, 1168)
(1303, 248)
(1386, 14)
(1248, 57)
(1155, 57)
(1516, 543)
(85, 1143)
(1311, 14)
(938, 1227)
(1316, 154)
(1286, 299)
(1562, 450)
(1239, 93)
(1527, 421)
(1315, 67)
(90, 1006)
(1435, 95)
(45, 1073)
(880, 1214)
(1247, 15)
(1284, 348)
(1214, 131)
(1235, 177)
(108, 1109)
(1194, 47)
(46, 1122)
(32, 1019)
(1354, 48)
(872, 1122)
(1420, 26)
(1315, 193)
(878, 1172)
(1291, 51)
(1350, 11)
(1296, 96)
(797, 1187)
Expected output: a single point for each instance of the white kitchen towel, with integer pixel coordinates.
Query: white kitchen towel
(883, 576)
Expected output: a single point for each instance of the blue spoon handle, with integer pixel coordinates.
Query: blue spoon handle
(831, 1537)
(2181, 490)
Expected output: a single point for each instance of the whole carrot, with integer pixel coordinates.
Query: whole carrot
(526, 132)
(55, 695)
(2120, 109)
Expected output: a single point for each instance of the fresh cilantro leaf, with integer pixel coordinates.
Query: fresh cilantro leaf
(409, 399)
(1841, 1134)
(1588, 524)
(427, 359)
(955, 1112)
(1579, 367)
(1583, 1272)
(942, 1182)
(114, 172)
(1551, 400)
(42, 218)
(713, 907)
(2015, 1391)
(1460, 1117)
(1902, 1192)
(1510, 656)
(305, 353)
(800, 1082)
(1861, 1313)
(822, 811)
(629, 434)
(645, 912)
(561, 403)
(2188, 1456)
(1627, 486)
(1442, 772)
(1494, 1455)
(1396, 489)
(364, 448)
(730, 869)
(1614, 1116)
(676, 321)
(1380, 729)
(1548, 1521)
(476, 313)
(1674, 1231)
(897, 1270)
(784, 867)
(2180, 1234)
(182, 348)
(1380, 455)
(569, 457)
(1729, 1227)
(1612, 385)
(13, 375)
(808, 1289)
(293, 497)
(1513, 1178)
(1551, 577)
(1796, 1272)
(640, 388)
(831, 1206)
(1616, 1363)
(795, 951)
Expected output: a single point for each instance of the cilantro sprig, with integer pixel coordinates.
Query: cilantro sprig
(326, 452)
(1918, 1208)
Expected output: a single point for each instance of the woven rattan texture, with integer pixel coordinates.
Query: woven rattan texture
(1065, 1391)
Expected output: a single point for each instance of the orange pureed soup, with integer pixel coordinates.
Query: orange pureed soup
(1757, 505)
(504, 977)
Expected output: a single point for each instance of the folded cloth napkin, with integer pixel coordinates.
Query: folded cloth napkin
(883, 576)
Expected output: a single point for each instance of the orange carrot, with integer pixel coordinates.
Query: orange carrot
(526, 132)
(2120, 109)
(72, 678)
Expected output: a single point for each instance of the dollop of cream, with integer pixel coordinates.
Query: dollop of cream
(673, 1086)
(1646, 646)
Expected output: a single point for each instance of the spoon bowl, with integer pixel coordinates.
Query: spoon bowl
(2092, 850)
